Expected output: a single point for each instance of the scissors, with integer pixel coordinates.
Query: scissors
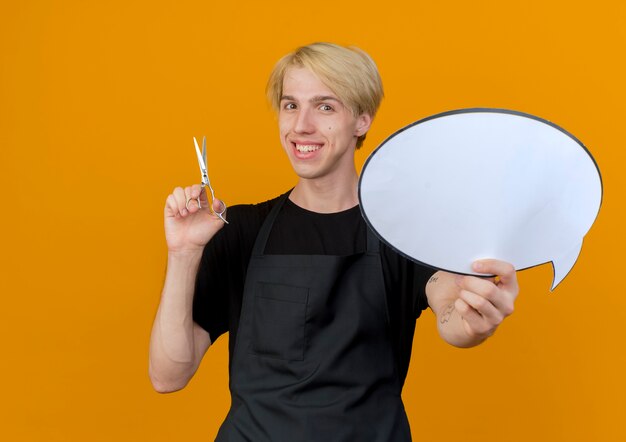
(205, 179)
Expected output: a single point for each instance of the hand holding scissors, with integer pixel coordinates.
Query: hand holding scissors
(205, 180)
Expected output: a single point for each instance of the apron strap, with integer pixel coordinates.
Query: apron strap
(373, 244)
(266, 228)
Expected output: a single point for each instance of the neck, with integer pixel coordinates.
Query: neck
(326, 195)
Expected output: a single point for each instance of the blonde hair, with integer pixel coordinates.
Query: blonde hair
(348, 72)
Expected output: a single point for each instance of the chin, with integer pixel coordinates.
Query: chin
(306, 174)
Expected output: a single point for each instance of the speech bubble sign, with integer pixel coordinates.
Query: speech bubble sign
(482, 183)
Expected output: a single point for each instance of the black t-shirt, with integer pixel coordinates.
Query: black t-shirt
(297, 231)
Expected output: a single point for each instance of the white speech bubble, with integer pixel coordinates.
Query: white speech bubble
(482, 183)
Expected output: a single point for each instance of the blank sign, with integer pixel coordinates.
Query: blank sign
(482, 183)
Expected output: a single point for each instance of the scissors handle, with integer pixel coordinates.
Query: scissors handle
(220, 215)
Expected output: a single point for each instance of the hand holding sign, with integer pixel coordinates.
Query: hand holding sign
(482, 183)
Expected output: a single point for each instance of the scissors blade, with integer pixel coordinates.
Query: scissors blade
(199, 155)
(204, 150)
(203, 171)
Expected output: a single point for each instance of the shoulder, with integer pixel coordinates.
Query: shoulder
(401, 263)
(251, 213)
(245, 220)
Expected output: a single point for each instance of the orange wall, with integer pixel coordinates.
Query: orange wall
(98, 104)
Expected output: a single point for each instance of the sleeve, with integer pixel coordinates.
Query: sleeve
(407, 281)
(421, 275)
(210, 301)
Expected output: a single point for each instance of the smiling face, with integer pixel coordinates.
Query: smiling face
(317, 131)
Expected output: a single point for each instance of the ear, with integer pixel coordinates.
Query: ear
(363, 123)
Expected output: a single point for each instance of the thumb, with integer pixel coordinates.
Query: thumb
(204, 201)
(219, 206)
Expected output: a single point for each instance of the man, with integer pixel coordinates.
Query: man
(320, 314)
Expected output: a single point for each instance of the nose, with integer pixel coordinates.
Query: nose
(304, 123)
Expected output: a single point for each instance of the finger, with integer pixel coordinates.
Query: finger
(181, 201)
(501, 297)
(204, 200)
(191, 202)
(504, 270)
(486, 288)
(195, 191)
(474, 323)
(171, 207)
(482, 306)
(466, 310)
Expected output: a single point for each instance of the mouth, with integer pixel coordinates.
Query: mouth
(305, 149)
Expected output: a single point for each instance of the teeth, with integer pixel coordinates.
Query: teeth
(307, 147)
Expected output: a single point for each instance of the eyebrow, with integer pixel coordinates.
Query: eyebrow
(315, 99)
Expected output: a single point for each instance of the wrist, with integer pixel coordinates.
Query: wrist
(186, 253)
(182, 269)
(186, 260)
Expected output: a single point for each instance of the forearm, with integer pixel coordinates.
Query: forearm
(172, 348)
(453, 330)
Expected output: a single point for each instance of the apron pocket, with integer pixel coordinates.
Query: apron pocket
(278, 321)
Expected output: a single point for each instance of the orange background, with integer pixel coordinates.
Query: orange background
(98, 104)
